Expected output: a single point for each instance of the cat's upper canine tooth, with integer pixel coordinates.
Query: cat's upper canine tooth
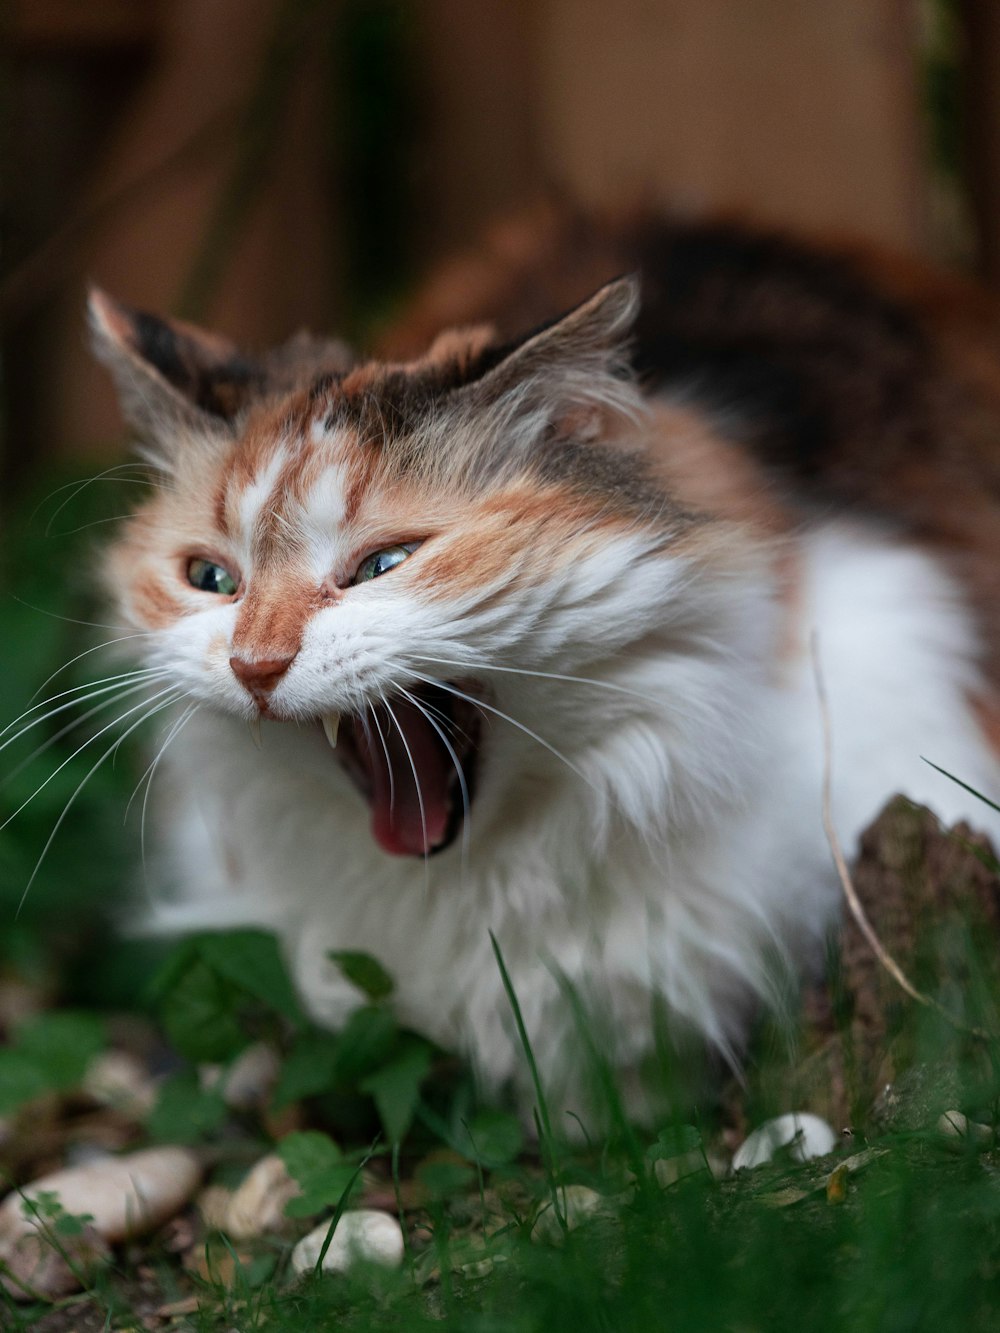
(331, 725)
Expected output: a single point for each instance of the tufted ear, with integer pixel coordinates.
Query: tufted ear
(169, 374)
(574, 374)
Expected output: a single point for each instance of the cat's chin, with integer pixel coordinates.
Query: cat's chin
(415, 759)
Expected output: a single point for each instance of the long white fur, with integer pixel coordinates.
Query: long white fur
(677, 849)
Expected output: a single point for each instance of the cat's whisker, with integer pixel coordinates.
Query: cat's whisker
(447, 722)
(466, 804)
(172, 697)
(388, 761)
(172, 735)
(543, 675)
(70, 726)
(69, 620)
(109, 474)
(94, 523)
(416, 783)
(89, 741)
(79, 694)
(108, 643)
(152, 765)
(480, 703)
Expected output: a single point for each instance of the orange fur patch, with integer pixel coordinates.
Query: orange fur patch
(272, 619)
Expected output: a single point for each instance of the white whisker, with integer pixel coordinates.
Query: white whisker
(70, 726)
(466, 806)
(94, 523)
(542, 675)
(172, 735)
(121, 718)
(416, 779)
(69, 620)
(81, 694)
(109, 474)
(480, 703)
(112, 749)
(108, 643)
(388, 761)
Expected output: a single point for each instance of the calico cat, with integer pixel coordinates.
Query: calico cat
(512, 635)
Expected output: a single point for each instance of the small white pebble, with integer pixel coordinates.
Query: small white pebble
(258, 1205)
(365, 1234)
(805, 1135)
(955, 1125)
(578, 1202)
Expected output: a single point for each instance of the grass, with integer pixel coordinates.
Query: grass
(900, 1230)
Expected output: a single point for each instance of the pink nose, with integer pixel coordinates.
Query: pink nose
(260, 677)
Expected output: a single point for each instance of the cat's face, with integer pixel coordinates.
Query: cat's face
(367, 552)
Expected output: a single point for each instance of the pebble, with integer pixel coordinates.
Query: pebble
(124, 1196)
(117, 1079)
(366, 1234)
(258, 1204)
(955, 1125)
(250, 1079)
(213, 1204)
(805, 1135)
(578, 1202)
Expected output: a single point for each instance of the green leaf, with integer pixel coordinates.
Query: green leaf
(396, 1088)
(308, 1069)
(185, 1112)
(200, 1014)
(496, 1137)
(21, 1081)
(61, 1045)
(47, 1208)
(365, 972)
(364, 1044)
(442, 1179)
(251, 960)
(317, 1164)
(674, 1141)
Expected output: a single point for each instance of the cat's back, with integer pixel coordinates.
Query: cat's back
(797, 379)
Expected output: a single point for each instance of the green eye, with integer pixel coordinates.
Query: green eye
(382, 561)
(210, 577)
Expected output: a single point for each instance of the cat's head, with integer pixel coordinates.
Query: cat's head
(389, 548)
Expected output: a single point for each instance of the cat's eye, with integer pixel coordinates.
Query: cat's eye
(210, 577)
(380, 562)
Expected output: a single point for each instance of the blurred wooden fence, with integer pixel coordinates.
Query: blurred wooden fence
(268, 164)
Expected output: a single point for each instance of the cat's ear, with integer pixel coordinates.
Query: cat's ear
(170, 376)
(574, 373)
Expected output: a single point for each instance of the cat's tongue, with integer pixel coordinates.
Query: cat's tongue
(408, 821)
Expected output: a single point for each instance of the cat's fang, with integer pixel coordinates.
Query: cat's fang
(331, 725)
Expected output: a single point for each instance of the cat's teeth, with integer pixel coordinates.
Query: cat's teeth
(254, 725)
(331, 725)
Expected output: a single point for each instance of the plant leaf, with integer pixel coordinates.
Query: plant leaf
(319, 1167)
(396, 1088)
(365, 972)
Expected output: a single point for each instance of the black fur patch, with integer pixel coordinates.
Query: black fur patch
(218, 388)
(790, 349)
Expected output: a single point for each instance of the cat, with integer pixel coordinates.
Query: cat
(518, 633)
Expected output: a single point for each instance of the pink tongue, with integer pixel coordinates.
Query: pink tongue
(399, 824)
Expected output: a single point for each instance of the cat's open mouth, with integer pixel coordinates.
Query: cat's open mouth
(414, 759)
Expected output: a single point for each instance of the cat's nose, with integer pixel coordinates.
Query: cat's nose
(261, 676)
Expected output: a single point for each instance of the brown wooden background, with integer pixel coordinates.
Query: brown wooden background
(271, 164)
